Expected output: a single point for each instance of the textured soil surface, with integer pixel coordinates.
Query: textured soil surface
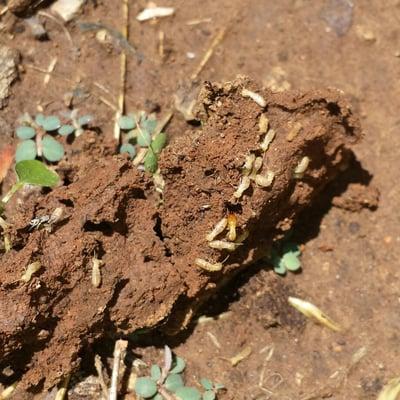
(349, 239)
(149, 274)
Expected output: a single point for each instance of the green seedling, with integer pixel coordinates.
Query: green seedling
(76, 126)
(29, 172)
(44, 144)
(168, 383)
(37, 135)
(141, 133)
(286, 259)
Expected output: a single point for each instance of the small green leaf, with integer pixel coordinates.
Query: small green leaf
(85, 120)
(280, 269)
(149, 125)
(173, 382)
(145, 387)
(34, 172)
(159, 142)
(66, 130)
(52, 150)
(188, 393)
(25, 132)
(206, 383)
(143, 138)
(155, 372)
(40, 119)
(26, 150)
(219, 386)
(126, 123)
(179, 366)
(51, 123)
(209, 395)
(291, 261)
(128, 148)
(150, 162)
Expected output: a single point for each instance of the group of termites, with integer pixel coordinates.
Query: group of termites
(250, 172)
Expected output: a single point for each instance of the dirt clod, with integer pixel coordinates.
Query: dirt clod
(149, 275)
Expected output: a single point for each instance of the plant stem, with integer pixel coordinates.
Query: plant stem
(13, 189)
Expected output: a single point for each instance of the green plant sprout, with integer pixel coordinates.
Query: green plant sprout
(141, 133)
(29, 172)
(36, 138)
(167, 382)
(286, 259)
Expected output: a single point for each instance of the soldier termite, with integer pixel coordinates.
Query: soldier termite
(203, 264)
(243, 186)
(255, 97)
(96, 273)
(217, 230)
(265, 180)
(301, 167)
(232, 221)
(269, 137)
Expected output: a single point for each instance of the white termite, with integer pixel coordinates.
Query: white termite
(255, 97)
(217, 230)
(265, 180)
(222, 245)
(248, 164)
(30, 270)
(301, 167)
(203, 264)
(263, 123)
(96, 273)
(243, 186)
(258, 162)
(269, 137)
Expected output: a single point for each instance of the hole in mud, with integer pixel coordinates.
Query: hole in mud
(209, 172)
(105, 227)
(333, 108)
(158, 231)
(67, 202)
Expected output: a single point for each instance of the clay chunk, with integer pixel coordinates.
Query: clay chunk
(161, 260)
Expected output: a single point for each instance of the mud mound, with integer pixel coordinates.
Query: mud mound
(156, 256)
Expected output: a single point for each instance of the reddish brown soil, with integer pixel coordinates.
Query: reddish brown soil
(349, 260)
(150, 277)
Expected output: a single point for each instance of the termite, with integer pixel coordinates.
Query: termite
(232, 221)
(222, 245)
(243, 186)
(269, 137)
(255, 97)
(207, 265)
(30, 270)
(248, 164)
(217, 230)
(258, 162)
(96, 273)
(301, 167)
(265, 180)
(263, 123)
